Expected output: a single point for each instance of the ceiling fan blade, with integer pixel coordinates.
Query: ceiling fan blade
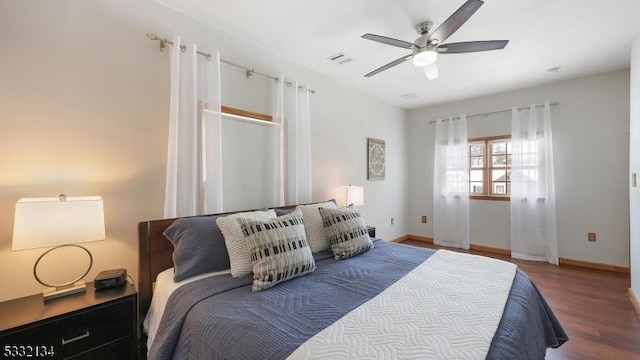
(431, 71)
(389, 41)
(456, 20)
(471, 46)
(390, 65)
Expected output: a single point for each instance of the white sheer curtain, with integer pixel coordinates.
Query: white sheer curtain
(194, 170)
(211, 181)
(293, 111)
(451, 184)
(533, 206)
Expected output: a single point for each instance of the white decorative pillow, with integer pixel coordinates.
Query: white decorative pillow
(278, 248)
(347, 232)
(316, 235)
(239, 257)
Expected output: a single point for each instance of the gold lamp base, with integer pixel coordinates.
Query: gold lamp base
(58, 292)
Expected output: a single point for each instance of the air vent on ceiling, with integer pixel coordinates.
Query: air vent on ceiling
(554, 70)
(409, 96)
(339, 58)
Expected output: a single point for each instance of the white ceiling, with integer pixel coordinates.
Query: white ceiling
(582, 37)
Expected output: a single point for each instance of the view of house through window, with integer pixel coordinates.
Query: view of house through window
(490, 166)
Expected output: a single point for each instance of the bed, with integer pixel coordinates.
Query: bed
(377, 304)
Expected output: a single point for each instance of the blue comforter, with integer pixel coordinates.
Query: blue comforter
(221, 318)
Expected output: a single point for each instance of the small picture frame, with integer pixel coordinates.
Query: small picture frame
(375, 159)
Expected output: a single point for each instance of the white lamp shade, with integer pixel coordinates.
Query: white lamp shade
(355, 195)
(43, 222)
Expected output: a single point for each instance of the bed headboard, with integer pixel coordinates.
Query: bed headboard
(155, 252)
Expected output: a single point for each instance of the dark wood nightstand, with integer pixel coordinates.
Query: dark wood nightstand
(98, 324)
(372, 231)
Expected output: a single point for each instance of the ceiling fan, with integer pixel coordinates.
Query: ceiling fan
(426, 48)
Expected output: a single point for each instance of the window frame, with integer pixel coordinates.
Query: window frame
(486, 169)
(246, 113)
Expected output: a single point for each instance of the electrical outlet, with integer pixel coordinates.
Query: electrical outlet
(424, 219)
(592, 237)
(392, 220)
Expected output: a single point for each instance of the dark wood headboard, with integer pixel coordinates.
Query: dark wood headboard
(155, 252)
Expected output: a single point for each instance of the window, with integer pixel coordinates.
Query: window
(490, 168)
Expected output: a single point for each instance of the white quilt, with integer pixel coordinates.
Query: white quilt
(449, 307)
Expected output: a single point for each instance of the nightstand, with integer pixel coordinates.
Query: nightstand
(372, 231)
(98, 324)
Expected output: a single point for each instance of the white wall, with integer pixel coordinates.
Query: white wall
(634, 167)
(591, 150)
(84, 108)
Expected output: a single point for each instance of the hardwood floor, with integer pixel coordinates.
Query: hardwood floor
(592, 306)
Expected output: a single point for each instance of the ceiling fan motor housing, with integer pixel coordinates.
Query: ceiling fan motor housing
(424, 27)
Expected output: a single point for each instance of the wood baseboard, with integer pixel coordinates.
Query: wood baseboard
(634, 301)
(401, 238)
(473, 247)
(419, 238)
(507, 252)
(594, 265)
(490, 249)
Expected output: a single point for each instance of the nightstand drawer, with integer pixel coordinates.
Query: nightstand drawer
(120, 349)
(80, 331)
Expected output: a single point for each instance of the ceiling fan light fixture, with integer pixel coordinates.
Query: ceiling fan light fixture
(425, 58)
(431, 71)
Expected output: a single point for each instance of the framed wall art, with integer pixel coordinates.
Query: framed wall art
(375, 159)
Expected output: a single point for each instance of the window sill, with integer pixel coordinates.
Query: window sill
(490, 197)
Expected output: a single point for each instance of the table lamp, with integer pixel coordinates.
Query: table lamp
(58, 222)
(355, 195)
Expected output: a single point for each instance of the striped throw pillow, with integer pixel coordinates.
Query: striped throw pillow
(347, 232)
(279, 249)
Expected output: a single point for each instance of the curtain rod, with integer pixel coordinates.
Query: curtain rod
(552, 103)
(249, 72)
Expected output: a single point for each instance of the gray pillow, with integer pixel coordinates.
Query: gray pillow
(278, 248)
(347, 232)
(199, 247)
